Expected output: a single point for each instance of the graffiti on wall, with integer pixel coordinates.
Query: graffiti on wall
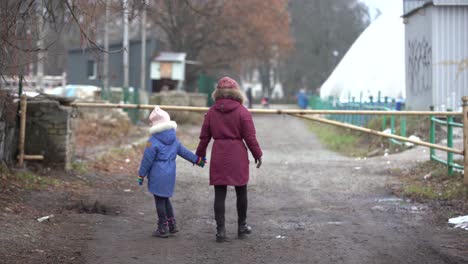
(419, 69)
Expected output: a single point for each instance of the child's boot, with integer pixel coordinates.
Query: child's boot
(220, 234)
(162, 231)
(172, 226)
(243, 230)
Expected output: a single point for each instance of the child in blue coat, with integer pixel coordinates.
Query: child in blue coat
(159, 166)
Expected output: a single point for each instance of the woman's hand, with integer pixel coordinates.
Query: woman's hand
(258, 162)
(201, 162)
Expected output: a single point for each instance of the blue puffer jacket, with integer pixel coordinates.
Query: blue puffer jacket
(159, 159)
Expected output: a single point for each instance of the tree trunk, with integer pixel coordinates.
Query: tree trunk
(265, 71)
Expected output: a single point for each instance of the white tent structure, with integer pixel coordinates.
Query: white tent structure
(375, 62)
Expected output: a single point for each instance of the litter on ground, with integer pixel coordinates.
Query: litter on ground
(460, 222)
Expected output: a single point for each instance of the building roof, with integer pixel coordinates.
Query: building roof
(412, 6)
(171, 56)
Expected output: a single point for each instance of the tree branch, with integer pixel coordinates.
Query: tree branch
(83, 32)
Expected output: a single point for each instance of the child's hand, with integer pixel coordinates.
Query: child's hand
(140, 180)
(201, 162)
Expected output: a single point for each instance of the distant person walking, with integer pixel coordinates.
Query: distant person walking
(159, 166)
(249, 97)
(230, 124)
(302, 99)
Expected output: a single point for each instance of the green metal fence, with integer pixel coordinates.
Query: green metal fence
(450, 124)
(206, 85)
(316, 102)
(125, 95)
(131, 96)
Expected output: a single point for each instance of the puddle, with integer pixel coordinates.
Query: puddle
(396, 204)
(390, 200)
(82, 207)
(334, 223)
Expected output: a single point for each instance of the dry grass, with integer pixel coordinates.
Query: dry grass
(428, 182)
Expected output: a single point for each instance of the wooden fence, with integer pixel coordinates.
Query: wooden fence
(313, 115)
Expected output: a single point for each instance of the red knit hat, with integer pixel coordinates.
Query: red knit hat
(227, 83)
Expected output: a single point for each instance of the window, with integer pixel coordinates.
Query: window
(92, 70)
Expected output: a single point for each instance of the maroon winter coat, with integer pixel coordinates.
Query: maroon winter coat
(230, 124)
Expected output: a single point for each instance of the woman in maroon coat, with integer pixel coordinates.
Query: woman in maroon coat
(230, 124)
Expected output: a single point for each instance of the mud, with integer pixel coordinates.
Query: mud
(306, 205)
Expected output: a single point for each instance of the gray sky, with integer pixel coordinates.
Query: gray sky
(384, 6)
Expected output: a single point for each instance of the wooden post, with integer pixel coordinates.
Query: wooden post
(23, 106)
(465, 138)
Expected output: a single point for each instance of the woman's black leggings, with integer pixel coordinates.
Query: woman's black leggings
(219, 204)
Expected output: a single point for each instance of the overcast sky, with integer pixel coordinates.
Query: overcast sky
(384, 6)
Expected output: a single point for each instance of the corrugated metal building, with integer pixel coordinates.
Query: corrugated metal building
(85, 66)
(436, 36)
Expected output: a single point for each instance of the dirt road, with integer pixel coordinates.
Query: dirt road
(306, 205)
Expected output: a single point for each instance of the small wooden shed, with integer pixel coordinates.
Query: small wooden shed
(168, 71)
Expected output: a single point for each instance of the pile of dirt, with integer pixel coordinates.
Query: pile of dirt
(95, 129)
(126, 160)
(119, 161)
(101, 133)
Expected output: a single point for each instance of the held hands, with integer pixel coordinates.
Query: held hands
(258, 162)
(201, 162)
(140, 180)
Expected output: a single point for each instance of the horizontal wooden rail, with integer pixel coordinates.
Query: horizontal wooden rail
(32, 157)
(379, 133)
(271, 111)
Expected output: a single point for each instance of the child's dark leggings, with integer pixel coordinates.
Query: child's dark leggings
(164, 209)
(219, 204)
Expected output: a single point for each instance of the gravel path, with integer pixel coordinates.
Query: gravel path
(306, 205)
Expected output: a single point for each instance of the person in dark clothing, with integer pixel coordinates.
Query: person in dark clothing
(249, 97)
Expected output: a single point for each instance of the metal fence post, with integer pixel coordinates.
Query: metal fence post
(432, 137)
(450, 144)
(403, 126)
(392, 124)
(465, 138)
(360, 117)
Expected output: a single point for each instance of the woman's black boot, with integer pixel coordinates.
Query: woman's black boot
(220, 234)
(243, 230)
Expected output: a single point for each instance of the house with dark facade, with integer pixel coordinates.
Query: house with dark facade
(85, 66)
(436, 34)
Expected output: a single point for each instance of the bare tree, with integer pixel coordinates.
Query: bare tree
(38, 26)
(222, 35)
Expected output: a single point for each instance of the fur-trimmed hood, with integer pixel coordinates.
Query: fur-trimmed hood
(234, 94)
(164, 132)
(162, 127)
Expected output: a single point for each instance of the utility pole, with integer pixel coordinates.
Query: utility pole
(143, 49)
(126, 45)
(106, 91)
(40, 45)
